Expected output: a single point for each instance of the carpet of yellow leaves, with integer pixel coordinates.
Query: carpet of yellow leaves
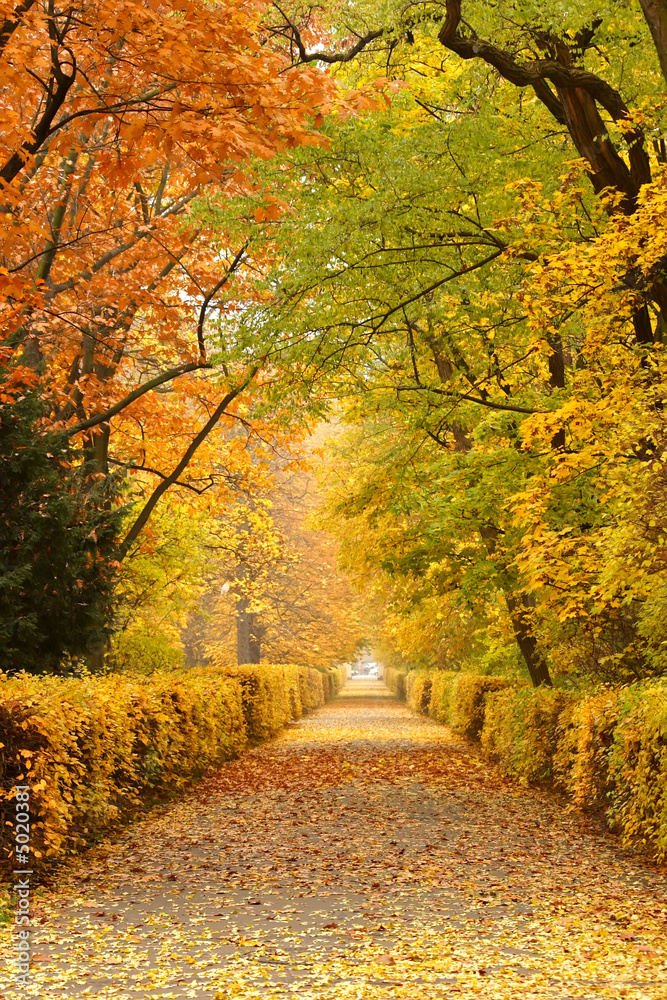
(365, 853)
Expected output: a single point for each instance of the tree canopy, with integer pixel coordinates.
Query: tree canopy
(442, 228)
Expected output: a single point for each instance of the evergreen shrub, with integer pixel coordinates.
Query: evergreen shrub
(58, 532)
(265, 699)
(333, 679)
(293, 691)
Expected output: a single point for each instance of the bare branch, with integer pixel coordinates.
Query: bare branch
(161, 475)
(235, 264)
(327, 57)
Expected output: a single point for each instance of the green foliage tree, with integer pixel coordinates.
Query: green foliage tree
(418, 287)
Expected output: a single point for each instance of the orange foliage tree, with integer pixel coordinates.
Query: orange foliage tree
(116, 119)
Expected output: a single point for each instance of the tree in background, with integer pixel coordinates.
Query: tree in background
(243, 580)
(276, 591)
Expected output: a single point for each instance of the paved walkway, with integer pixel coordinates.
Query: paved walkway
(366, 853)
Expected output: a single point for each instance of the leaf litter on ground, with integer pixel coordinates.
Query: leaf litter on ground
(366, 853)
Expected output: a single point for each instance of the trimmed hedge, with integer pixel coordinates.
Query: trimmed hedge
(638, 765)
(607, 749)
(581, 759)
(442, 683)
(333, 679)
(521, 729)
(93, 750)
(395, 681)
(468, 701)
(418, 690)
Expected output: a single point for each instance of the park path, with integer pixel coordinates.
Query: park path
(365, 853)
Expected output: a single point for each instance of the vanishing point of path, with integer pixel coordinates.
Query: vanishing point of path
(365, 853)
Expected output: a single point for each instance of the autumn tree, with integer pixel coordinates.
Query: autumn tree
(115, 121)
(414, 297)
(276, 592)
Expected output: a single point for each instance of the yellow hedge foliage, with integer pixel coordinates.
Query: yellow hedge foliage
(311, 688)
(94, 749)
(395, 681)
(607, 749)
(521, 730)
(638, 765)
(265, 697)
(467, 701)
(418, 690)
(442, 683)
(333, 679)
(581, 761)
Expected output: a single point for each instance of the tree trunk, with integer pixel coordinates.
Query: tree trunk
(519, 607)
(255, 645)
(97, 646)
(576, 107)
(655, 12)
(243, 629)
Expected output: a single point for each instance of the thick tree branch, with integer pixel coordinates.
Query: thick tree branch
(58, 89)
(168, 376)
(305, 56)
(532, 73)
(655, 12)
(163, 486)
(337, 57)
(578, 92)
(10, 24)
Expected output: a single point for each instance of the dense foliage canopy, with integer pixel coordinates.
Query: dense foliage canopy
(478, 283)
(440, 226)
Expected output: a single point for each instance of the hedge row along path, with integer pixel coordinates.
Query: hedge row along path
(365, 853)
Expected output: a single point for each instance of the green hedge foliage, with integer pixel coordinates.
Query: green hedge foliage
(606, 749)
(94, 749)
